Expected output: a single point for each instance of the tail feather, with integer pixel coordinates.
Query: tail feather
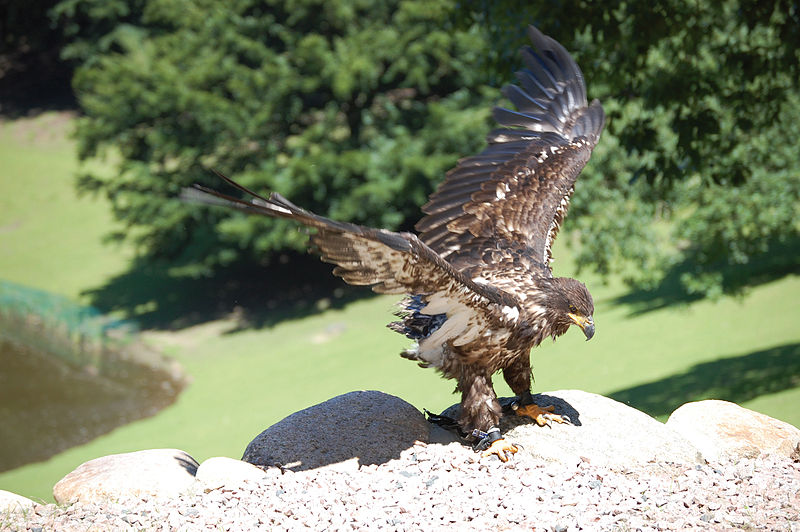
(258, 205)
(414, 324)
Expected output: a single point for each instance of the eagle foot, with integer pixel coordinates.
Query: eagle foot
(492, 442)
(542, 415)
(502, 448)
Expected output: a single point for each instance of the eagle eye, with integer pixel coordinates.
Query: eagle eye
(573, 309)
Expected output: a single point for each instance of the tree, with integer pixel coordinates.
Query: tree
(356, 109)
(697, 173)
(352, 109)
(32, 75)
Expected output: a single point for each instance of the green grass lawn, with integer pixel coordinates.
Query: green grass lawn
(742, 349)
(49, 237)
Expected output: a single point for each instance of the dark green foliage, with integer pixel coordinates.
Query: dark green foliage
(25, 26)
(698, 170)
(355, 109)
(352, 109)
(33, 77)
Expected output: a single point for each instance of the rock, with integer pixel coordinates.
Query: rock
(11, 502)
(724, 430)
(222, 471)
(604, 431)
(150, 473)
(370, 426)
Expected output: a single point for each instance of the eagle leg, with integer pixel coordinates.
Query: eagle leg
(479, 407)
(542, 415)
(481, 412)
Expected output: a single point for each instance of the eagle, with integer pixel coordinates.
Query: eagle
(480, 291)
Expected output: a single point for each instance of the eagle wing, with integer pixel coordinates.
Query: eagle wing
(515, 194)
(389, 262)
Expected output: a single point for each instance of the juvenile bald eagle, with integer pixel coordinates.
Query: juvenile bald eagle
(480, 290)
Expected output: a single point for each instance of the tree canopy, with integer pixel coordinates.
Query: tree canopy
(697, 172)
(352, 109)
(356, 109)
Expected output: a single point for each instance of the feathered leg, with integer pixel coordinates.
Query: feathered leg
(518, 374)
(518, 377)
(480, 411)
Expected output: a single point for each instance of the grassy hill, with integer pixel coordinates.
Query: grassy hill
(49, 237)
(744, 349)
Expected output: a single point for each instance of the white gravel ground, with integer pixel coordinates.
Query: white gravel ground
(437, 487)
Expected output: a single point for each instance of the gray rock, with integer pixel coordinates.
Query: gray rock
(11, 502)
(150, 473)
(369, 426)
(604, 431)
(724, 430)
(222, 471)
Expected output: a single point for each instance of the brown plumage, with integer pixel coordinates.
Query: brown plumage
(480, 289)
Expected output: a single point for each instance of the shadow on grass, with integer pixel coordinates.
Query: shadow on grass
(735, 379)
(779, 260)
(156, 298)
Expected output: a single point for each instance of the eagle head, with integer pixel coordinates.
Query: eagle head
(568, 302)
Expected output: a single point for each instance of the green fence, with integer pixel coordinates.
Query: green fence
(80, 336)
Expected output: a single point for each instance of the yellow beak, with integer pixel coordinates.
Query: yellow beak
(586, 323)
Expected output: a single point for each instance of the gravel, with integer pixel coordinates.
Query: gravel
(436, 487)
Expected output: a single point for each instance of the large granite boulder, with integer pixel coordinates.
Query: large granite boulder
(724, 430)
(604, 432)
(140, 474)
(369, 427)
(364, 427)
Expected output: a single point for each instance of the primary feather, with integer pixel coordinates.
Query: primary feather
(516, 192)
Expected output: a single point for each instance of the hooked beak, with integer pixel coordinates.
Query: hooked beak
(586, 323)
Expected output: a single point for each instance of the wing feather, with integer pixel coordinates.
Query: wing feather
(522, 100)
(389, 262)
(516, 192)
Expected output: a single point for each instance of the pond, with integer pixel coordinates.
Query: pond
(69, 373)
(48, 405)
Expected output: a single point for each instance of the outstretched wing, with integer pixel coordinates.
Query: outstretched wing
(393, 263)
(516, 193)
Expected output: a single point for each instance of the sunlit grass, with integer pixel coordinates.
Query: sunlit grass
(243, 381)
(49, 237)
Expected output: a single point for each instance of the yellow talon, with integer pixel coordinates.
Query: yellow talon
(542, 415)
(501, 448)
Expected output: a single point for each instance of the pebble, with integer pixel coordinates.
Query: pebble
(444, 487)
